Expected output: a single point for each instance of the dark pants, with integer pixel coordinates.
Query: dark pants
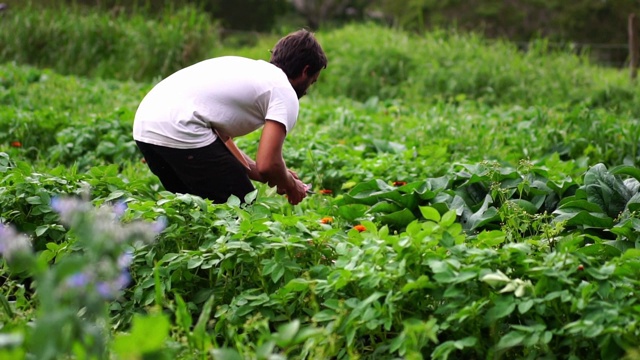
(210, 172)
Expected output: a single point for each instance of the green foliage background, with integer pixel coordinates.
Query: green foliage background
(498, 190)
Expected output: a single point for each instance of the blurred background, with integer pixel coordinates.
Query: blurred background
(597, 25)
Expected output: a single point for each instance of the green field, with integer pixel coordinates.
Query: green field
(472, 201)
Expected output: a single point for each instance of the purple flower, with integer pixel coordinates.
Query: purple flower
(119, 208)
(111, 289)
(12, 243)
(61, 205)
(159, 225)
(78, 280)
(125, 259)
(105, 290)
(123, 280)
(67, 207)
(3, 234)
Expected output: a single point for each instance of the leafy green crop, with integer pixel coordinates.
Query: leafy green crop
(478, 202)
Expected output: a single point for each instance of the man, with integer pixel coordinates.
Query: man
(181, 125)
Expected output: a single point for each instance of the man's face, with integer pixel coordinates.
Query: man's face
(304, 83)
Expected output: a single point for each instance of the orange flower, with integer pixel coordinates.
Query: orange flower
(360, 228)
(326, 192)
(399, 183)
(16, 144)
(326, 220)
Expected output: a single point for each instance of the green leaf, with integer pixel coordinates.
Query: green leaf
(286, 333)
(352, 212)
(600, 250)
(606, 190)
(277, 273)
(195, 262)
(41, 230)
(480, 218)
(503, 307)
(525, 205)
(430, 213)
(199, 330)
(34, 200)
(577, 217)
(115, 195)
(421, 282)
(148, 334)
(6, 306)
(297, 285)
(183, 316)
(226, 354)
(398, 219)
(448, 218)
(325, 315)
(525, 306)
(626, 170)
(384, 207)
(513, 338)
(490, 239)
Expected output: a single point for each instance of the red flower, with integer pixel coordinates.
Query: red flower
(360, 228)
(580, 267)
(326, 220)
(16, 144)
(399, 183)
(325, 192)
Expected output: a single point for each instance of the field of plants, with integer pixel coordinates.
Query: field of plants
(471, 201)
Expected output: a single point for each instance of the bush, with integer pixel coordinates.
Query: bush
(372, 61)
(93, 43)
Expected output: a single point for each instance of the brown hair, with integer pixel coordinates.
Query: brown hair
(296, 50)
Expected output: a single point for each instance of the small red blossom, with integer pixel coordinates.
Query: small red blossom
(16, 144)
(360, 228)
(325, 192)
(326, 220)
(580, 267)
(399, 183)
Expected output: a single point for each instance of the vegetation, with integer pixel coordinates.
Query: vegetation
(471, 201)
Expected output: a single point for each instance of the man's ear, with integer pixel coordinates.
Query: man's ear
(305, 71)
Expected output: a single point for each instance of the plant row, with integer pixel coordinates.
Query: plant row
(462, 277)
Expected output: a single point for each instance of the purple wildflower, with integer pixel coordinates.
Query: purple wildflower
(105, 290)
(159, 225)
(125, 259)
(111, 289)
(119, 208)
(78, 280)
(123, 280)
(12, 243)
(67, 207)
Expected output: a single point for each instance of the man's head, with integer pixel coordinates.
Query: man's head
(301, 58)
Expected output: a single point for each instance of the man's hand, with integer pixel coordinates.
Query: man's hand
(270, 165)
(293, 173)
(296, 193)
(282, 191)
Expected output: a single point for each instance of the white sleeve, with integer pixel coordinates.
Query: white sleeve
(283, 107)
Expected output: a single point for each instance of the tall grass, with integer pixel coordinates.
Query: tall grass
(367, 60)
(88, 42)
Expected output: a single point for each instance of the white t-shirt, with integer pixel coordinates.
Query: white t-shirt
(232, 94)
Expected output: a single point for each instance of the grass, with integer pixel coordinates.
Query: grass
(88, 42)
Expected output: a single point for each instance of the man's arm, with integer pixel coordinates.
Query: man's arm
(270, 167)
(253, 169)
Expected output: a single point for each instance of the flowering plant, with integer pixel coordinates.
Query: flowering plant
(360, 228)
(74, 293)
